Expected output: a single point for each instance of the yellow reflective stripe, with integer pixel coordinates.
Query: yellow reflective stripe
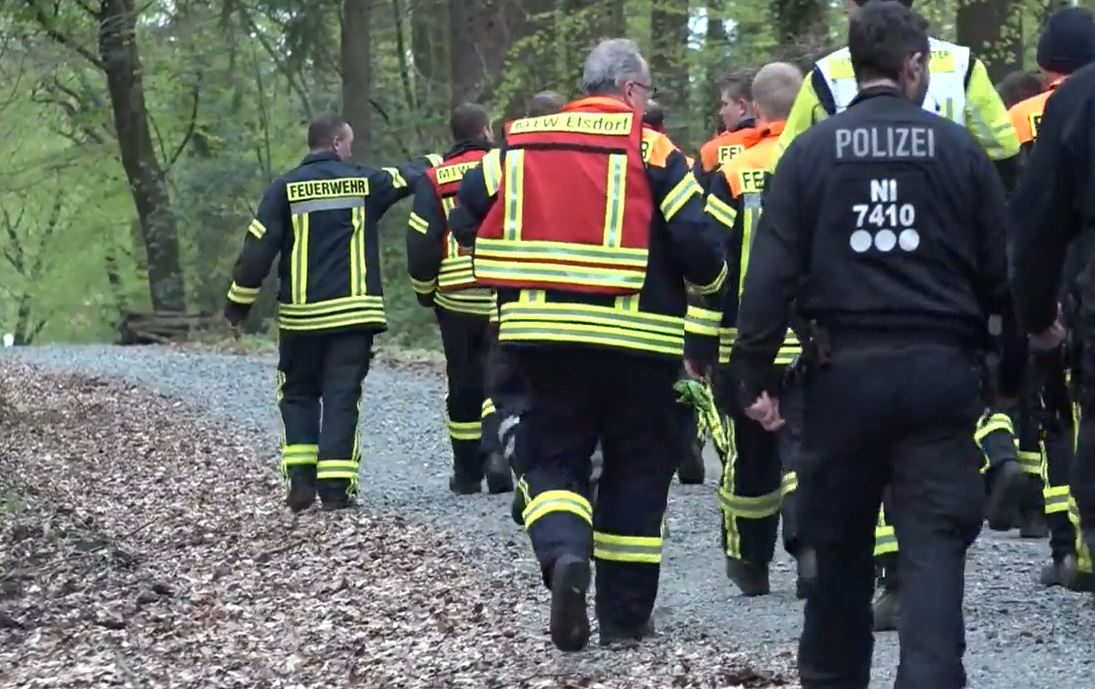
(487, 269)
(298, 455)
(750, 507)
(1030, 461)
(298, 263)
(334, 313)
(701, 321)
(789, 483)
(997, 421)
(885, 540)
(645, 549)
(447, 204)
(727, 336)
(715, 285)
(538, 249)
(256, 228)
(721, 211)
(514, 209)
(492, 171)
(1056, 499)
(357, 252)
(475, 302)
(614, 200)
(456, 271)
(397, 179)
(488, 408)
(418, 223)
(337, 469)
(242, 295)
(557, 501)
(423, 286)
(463, 430)
(679, 195)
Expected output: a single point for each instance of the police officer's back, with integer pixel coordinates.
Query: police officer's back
(886, 223)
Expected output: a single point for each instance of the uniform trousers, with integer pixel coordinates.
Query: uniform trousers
(897, 415)
(466, 342)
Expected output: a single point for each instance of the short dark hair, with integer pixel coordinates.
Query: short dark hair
(882, 35)
(739, 84)
(1018, 86)
(654, 115)
(323, 130)
(468, 121)
(545, 103)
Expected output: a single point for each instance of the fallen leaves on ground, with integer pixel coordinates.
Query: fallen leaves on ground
(142, 546)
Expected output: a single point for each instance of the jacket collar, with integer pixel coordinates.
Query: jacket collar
(598, 104)
(319, 156)
(875, 92)
(467, 145)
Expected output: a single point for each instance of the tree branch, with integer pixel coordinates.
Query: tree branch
(35, 331)
(87, 8)
(47, 234)
(62, 38)
(388, 121)
(190, 128)
(404, 70)
(18, 259)
(282, 65)
(159, 138)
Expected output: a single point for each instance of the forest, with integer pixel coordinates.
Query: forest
(136, 136)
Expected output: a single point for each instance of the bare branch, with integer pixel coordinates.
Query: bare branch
(190, 128)
(35, 331)
(159, 138)
(388, 121)
(290, 74)
(62, 38)
(87, 8)
(47, 234)
(16, 259)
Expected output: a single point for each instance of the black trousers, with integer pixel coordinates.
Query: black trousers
(899, 416)
(507, 396)
(577, 396)
(319, 392)
(466, 341)
(754, 479)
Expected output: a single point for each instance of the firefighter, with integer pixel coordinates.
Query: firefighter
(886, 223)
(750, 489)
(1053, 216)
(1067, 44)
(1018, 86)
(441, 275)
(736, 112)
(322, 218)
(693, 432)
(594, 204)
(960, 90)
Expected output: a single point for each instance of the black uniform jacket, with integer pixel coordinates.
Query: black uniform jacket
(885, 217)
(1054, 200)
(322, 218)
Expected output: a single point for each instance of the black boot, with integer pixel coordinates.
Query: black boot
(499, 479)
(617, 636)
(1032, 524)
(1005, 494)
(1059, 572)
(569, 618)
(750, 577)
(691, 469)
(337, 494)
(301, 492)
(465, 485)
(806, 559)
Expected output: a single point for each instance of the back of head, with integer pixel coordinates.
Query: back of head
(882, 36)
(545, 103)
(610, 64)
(323, 131)
(738, 85)
(1068, 41)
(654, 117)
(469, 121)
(774, 90)
(1018, 86)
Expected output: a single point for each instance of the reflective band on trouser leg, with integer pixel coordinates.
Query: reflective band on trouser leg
(885, 538)
(463, 430)
(488, 408)
(790, 483)
(552, 501)
(1083, 555)
(1030, 461)
(297, 455)
(645, 549)
(1056, 499)
(334, 469)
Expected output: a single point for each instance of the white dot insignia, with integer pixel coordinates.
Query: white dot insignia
(860, 241)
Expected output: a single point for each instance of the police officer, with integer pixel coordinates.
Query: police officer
(751, 487)
(322, 218)
(738, 119)
(580, 214)
(1067, 44)
(441, 275)
(1053, 208)
(885, 222)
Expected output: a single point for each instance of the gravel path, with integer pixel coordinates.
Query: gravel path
(1019, 633)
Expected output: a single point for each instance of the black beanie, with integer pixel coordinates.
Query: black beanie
(1068, 41)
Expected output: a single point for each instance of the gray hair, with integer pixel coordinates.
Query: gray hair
(611, 63)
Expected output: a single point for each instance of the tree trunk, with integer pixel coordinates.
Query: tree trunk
(478, 42)
(669, 63)
(121, 62)
(801, 29)
(993, 31)
(357, 73)
(716, 47)
(587, 22)
(429, 46)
